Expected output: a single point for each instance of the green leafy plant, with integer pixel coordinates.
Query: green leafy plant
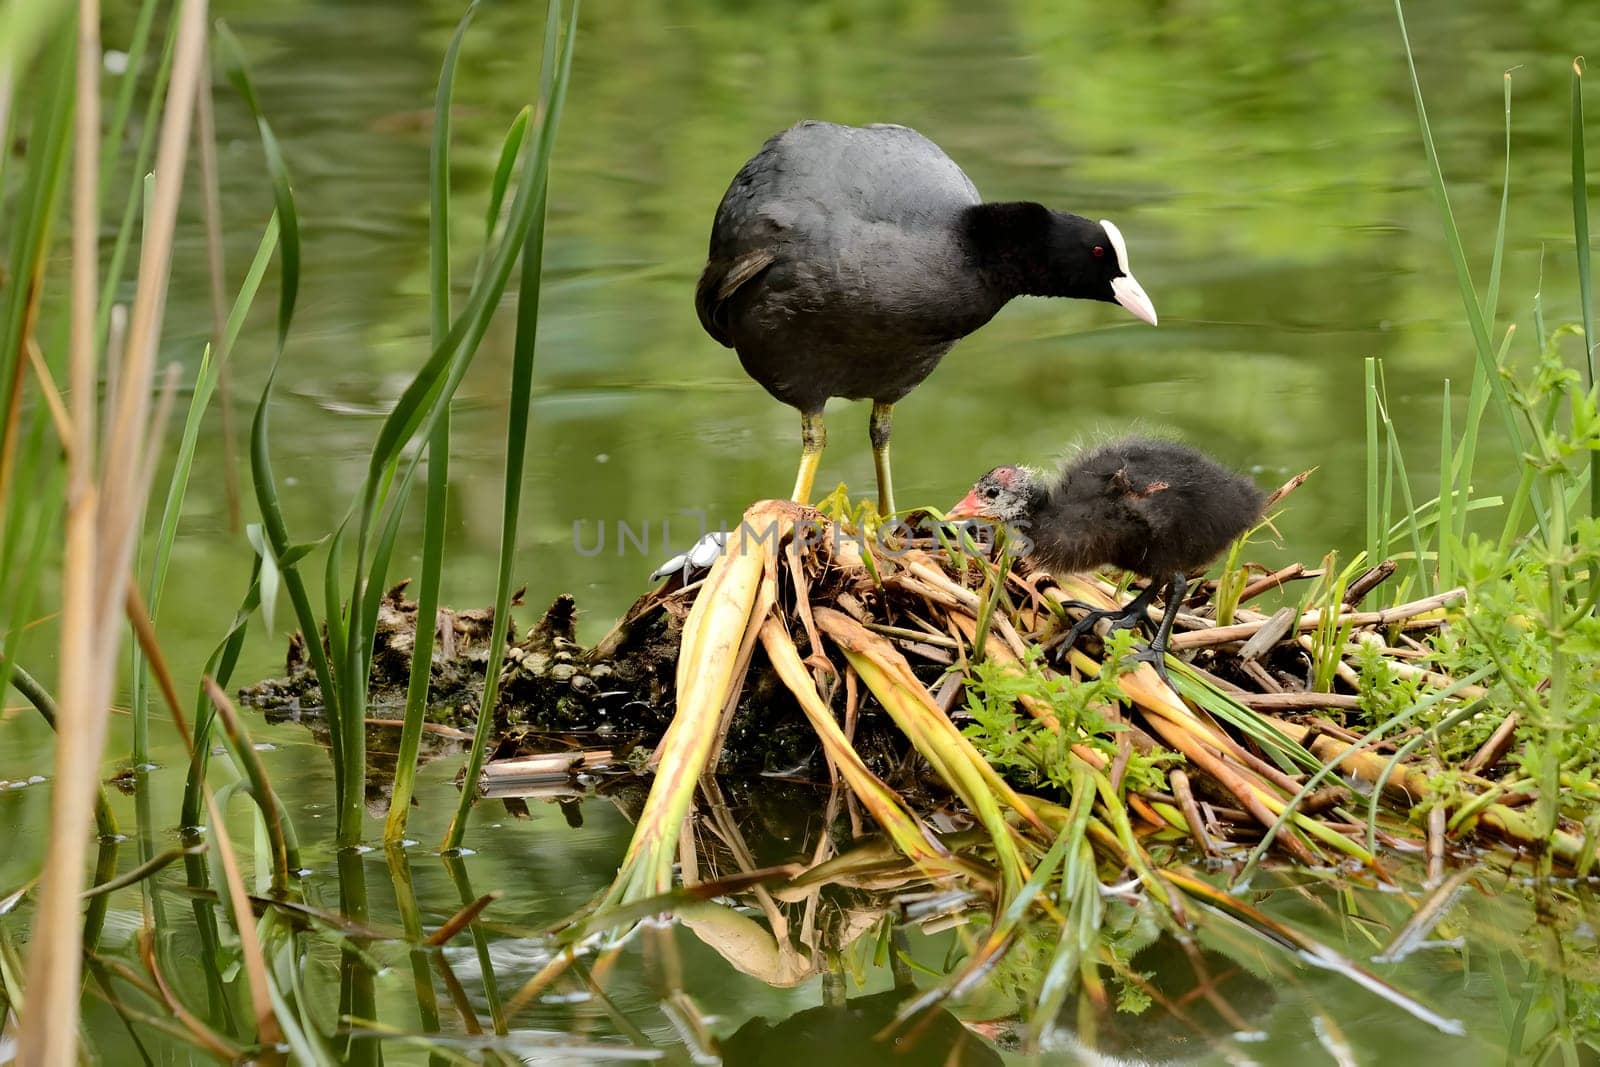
(1033, 752)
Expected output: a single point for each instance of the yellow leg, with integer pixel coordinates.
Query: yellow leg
(882, 420)
(812, 439)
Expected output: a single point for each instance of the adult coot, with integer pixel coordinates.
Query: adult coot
(1156, 508)
(845, 261)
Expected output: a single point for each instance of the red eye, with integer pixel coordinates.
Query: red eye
(1099, 250)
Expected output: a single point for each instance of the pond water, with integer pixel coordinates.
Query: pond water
(1262, 160)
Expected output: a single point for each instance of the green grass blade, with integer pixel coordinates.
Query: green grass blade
(457, 869)
(1278, 746)
(138, 45)
(1580, 228)
(439, 186)
(436, 504)
(516, 137)
(1491, 301)
(333, 606)
(1446, 525)
(422, 405)
(1580, 221)
(517, 424)
(405, 898)
(238, 75)
(272, 519)
(24, 25)
(177, 486)
(1458, 255)
(1413, 518)
(34, 210)
(135, 197)
(220, 667)
(283, 848)
(436, 512)
(1374, 517)
(31, 535)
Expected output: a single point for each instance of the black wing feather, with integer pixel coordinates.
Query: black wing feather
(719, 281)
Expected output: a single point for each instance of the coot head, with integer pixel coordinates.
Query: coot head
(1091, 258)
(1006, 495)
(1109, 277)
(1026, 249)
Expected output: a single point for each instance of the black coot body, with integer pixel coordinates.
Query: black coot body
(834, 268)
(1157, 508)
(845, 261)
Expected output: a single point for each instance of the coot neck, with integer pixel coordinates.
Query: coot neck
(1010, 247)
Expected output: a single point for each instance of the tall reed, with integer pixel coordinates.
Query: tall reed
(105, 500)
(368, 533)
(436, 504)
(1544, 564)
(556, 72)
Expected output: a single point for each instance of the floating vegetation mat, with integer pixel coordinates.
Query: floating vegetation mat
(981, 776)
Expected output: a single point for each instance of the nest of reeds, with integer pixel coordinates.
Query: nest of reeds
(1106, 782)
(1032, 786)
(1256, 758)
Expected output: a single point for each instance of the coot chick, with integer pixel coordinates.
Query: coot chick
(1155, 508)
(845, 261)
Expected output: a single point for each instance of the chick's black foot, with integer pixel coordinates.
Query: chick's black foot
(1124, 618)
(1155, 653)
(1157, 658)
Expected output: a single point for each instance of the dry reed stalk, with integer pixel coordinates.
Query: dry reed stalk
(1408, 783)
(1203, 743)
(201, 1034)
(268, 1032)
(1297, 701)
(546, 767)
(1402, 613)
(48, 390)
(1495, 748)
(102, 524)
(1191, 812)
(1341, 670)
(50, 1029)
(766, 597)
(1437, 818)
(1268, 637)
(909, 835)
(1357, 590)
(913, 710)
(1261, 676)
(123, 498)
(1268, 582)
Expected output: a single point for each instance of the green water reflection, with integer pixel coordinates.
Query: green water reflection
(1261, 158)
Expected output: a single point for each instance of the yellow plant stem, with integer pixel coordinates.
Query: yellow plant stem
(712, 636)
(909, 835)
